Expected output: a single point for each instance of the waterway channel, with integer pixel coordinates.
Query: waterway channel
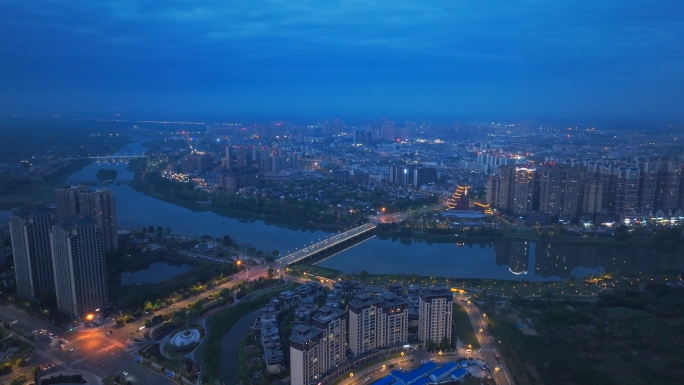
(497, 259)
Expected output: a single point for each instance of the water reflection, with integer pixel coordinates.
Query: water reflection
(514, 254)
(506, 259)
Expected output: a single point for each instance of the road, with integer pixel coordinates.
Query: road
(98, 351)
(324, 244)
(92, 351)
(488, 349)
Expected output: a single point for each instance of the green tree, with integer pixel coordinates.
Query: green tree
(35, 370)
(228, 241)
(270, 273)
(149, 306)
(445, 343)
(167, 230)
(275, 253)
(127, 318)
(150, 229)
(363, 276)
(160, 231)
(622, 233)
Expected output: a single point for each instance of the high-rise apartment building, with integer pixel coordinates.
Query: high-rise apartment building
(592, 201)
(307, 347)
(392, 320)
(608, 177)
(30, 233)
(505, 177)
(523, 190)
(669, 179)
(317, 349)
(435, 312)
(401, 175)
(648, 182)
(376, 322)
(363, 323)
(68, 201)
(561, 188)
(101, 206)
(79, 265)
(626, 190)
(492, 190)
(363, 137)
(333, 323)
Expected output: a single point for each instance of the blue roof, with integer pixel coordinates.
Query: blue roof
(410, 377)
(387, 380)
(445, 369)
(459, 373)
(422, 381)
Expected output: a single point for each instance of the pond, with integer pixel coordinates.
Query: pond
(155, 273)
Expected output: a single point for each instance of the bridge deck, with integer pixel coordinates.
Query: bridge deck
(325, 244)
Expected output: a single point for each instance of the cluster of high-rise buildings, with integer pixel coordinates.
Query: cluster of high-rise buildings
(62, 252)
(414, 175)
(243, 165)
(619, 186)
(372, 321)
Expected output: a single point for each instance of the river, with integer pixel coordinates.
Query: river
(498, 260)
(135, 210)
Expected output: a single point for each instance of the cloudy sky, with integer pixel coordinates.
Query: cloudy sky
(352, 59)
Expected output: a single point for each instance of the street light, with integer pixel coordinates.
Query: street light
(89, 317)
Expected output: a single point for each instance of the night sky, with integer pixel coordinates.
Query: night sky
(253, 59)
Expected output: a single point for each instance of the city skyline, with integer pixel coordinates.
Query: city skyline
(613, 61)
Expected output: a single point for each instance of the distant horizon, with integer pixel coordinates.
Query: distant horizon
(633, 125)
(580, 60)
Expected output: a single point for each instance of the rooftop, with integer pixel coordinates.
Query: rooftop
(415, 374)
(445, 369)
(387, 380)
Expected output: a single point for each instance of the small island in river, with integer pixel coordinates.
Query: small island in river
(106, 174)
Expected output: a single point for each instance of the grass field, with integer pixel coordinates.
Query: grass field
(464, 327)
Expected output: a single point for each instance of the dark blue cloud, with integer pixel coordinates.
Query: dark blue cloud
(463, 59)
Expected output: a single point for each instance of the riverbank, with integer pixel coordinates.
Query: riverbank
(243, 216)
(476, 240)
(140, 184)
(32, 192)
(499, 288)
(219, 324)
